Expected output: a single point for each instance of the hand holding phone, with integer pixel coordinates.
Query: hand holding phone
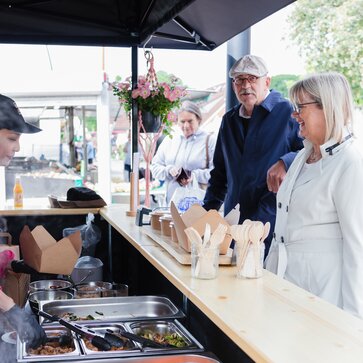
(184, 177)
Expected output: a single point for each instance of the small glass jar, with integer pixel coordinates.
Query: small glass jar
(205, 262)
(250, 260)
(120, 289)
(105, 288)
(88, 293)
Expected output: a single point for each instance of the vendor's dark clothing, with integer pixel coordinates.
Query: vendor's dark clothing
(243, 156)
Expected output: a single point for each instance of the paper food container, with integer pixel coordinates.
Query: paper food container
(44, 254)
(16, 285)
(197, 217)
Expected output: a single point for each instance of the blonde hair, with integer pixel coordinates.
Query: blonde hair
(332, 92)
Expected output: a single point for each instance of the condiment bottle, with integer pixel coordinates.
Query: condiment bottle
(18, 193)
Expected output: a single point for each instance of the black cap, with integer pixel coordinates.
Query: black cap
(82, 193)
(12, 119)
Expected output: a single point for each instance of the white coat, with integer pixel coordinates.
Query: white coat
(188, 153)
(318, 239)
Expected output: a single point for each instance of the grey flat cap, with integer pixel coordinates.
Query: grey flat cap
(12, 119)
(249, 64)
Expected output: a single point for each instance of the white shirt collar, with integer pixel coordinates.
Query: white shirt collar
(241, 112)
(331, 146)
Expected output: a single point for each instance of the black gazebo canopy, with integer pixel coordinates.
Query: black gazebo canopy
(173, 24)
(169, 24)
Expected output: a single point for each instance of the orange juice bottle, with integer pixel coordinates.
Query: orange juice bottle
(18, 193)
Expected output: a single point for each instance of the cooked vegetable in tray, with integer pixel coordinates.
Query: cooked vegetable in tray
(73, 317)
(172, 339)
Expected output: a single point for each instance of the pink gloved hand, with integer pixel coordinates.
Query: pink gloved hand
(5, 258)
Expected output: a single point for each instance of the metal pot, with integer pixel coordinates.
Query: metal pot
(49, 285)
(87, 269)
(41, 295)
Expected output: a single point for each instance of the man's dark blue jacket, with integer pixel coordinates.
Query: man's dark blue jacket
(241, 163)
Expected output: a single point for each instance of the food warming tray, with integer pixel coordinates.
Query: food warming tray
(101, 328)
(84, 352)
(132, 314)
(126, 308)
(169, 358)
(165, 328)
(24, 355)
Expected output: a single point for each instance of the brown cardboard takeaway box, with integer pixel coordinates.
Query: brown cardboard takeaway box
(44, 254)
(197, 217)
(16, 286)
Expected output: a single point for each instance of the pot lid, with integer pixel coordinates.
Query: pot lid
(87, 262)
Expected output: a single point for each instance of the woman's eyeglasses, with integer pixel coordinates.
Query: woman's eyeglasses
(299, 106)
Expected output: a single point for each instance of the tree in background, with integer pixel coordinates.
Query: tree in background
(168, 78)
(329, 35)
(283, 82)
(91, 123)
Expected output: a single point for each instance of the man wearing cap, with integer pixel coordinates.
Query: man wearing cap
(257, 142)
(12, 125)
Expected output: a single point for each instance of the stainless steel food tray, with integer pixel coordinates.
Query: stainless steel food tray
(166, 327)
(135, 355)
(118, 309)
(169, 358)
(24, 356)
(100, 329)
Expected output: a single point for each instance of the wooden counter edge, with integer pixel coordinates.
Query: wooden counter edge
(44, 211)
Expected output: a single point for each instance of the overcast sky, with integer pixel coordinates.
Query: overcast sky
(26, 67)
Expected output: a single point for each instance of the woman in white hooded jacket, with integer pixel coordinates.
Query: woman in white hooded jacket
(318, 239)
(191, 149)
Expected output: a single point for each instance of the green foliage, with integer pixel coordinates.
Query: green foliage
(164, 77)
(283, 82)
(91, 123)
(330, 37)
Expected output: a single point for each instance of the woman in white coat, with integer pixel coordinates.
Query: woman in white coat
(191, 149)
(318, 239)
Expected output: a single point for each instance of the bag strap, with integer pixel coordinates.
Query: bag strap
(207, 151)
(9, 237)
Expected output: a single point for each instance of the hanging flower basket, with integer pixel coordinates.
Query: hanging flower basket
(155, 102)
(150, 122)
(151, 96)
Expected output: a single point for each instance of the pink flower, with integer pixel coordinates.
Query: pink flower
(135, 93)
(172, 116)
(167, 90)
(145, 92)
(179, 91)
(173, 96)
(124, 86)
(141, 81)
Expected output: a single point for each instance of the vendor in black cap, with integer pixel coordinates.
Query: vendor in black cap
(12, 125)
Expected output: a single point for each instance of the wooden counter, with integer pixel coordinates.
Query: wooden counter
(44, 210)
(270, 319)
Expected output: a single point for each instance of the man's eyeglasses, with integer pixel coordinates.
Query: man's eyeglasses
(299, 106)
(241, 80)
